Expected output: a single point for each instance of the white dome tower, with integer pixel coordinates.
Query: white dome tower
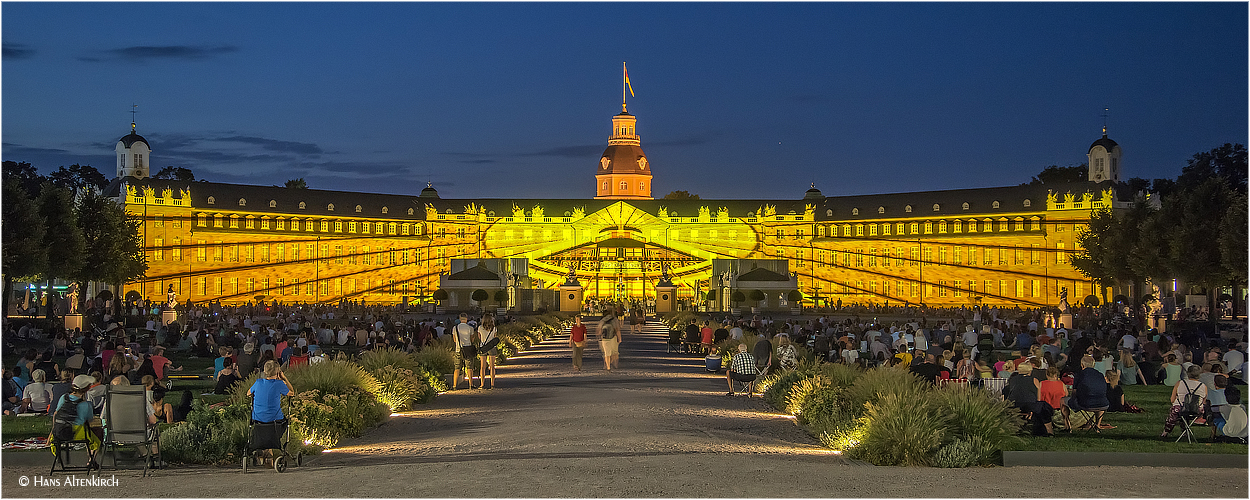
(133, 155)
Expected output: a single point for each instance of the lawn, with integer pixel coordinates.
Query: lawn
(1134, 432)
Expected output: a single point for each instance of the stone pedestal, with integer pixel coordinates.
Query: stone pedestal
(665, 299)
(1066, 320)
(73, 321)
(1159, 323)
(570, 298)
(169, 316)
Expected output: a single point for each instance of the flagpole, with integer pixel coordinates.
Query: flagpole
(624, 72)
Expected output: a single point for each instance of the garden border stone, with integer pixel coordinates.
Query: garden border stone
(1080, 459)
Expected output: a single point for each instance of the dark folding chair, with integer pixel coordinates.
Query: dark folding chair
(126, 426)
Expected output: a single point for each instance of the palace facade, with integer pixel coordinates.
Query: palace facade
(237, 243)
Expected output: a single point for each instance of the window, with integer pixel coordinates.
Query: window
(201, 251)
(357, 208)
(915, 255)
(928, 254)
(854, 211)
(941, 288)
(915, 228)
(641, 187)
(942, 255)
(338, 254)
(907, 209)
(872, 230)
(624, 186)
(880, 210)
(302, 205)
(325, 226)
(242, 202)
(936, 207)
(942, 227)
(273, 203)
(378, 228)
(351, 227)
(928, 227)
(338, 226)
(212, 200)
(249, 223)
(264, 223)
(158, 253)
(859, 230)
(364, 227)
(158, 221)
(234, 222)
(177, 249)
(972, 226)
(264, 252)
(1060, 254)
(391, 228)
(1028, 203)
(281, 224)
(605, 186)
(995, 204)
(885, 229)
(965, 205)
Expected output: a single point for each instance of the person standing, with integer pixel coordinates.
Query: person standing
(487, 336)
(577, 340)
(466, 351)
(610, 340)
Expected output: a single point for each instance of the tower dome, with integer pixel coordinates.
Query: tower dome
(429, 191)
(624, 172)
(1104, 159)
(133, 155)
(813, 193)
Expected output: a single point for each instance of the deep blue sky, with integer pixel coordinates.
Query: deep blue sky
(515, 100)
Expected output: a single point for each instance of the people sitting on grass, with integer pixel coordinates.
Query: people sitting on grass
(226, 378)
(787, 357)
(1182, 388)
(82, 430)
(1172, 371)
(742, 368)
(37, 395)
(1217, 401)
(1050, 394)
(1089, 393)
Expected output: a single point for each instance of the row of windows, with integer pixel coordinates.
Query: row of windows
(309, 225)
(221, 286)
(942, 289)
(899, 257)
(282, 252)
(302, 205)
(937, 207)
(624, 187)
(930, 227)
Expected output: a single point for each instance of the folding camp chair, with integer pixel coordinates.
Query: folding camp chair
(674, 341)
(126, 426)
(1188, 417)
(62, 450)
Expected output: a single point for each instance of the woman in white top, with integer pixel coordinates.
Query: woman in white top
(485, 333)
(37, 395)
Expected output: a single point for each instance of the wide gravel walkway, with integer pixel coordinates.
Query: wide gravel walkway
(659, 426)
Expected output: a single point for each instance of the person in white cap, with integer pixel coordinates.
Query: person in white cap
(74, 409)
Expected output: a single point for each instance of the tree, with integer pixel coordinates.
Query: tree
(1233, 243)
(737, 297)
(23, 255)
(501, 296)
(440, 294)
(62, 238)
(77, 177)
(1094, 247)
(1194, 214)
(297, 183)
(1055, 174)
(175, 174)
(1227, 162)
(479, 295)
(114, 248)
(757, 295)
(794, 296)
(26, 176)
(681, 195)
(710, 295)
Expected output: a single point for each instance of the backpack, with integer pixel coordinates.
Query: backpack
(608, 332)
(1192, 403)
(63, 420)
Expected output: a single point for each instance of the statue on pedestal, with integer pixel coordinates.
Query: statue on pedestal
(1064, 307)
(664, 279)
(571, 278)
(71, 298)
(173, 298)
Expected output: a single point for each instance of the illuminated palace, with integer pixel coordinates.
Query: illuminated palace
(234, 243)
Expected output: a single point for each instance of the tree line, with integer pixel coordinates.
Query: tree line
(1193, 230)
(61, 226)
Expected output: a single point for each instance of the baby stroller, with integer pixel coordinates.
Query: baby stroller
(269, 436)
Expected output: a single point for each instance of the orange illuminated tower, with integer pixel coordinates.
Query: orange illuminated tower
(624, 173)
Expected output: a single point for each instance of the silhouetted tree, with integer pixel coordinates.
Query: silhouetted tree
(26, 176)
(1055, 174)
(681, 195)
(175, 174)
(77, 177)
(23, 255)
(297, 183)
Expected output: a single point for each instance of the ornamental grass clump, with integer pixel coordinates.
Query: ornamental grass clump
(399, 387)
(901, 429)
(876, 383)
(800, 391)
(841, 375)
(209, 436)
(376, 359)
(984, 424)
(827, 410)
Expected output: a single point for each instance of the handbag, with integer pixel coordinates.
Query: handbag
(490, 344)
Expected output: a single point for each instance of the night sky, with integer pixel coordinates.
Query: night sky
(734, 100)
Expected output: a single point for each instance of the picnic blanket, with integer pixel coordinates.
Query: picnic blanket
(34, 443)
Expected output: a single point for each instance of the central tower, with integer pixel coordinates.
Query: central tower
(624, 173)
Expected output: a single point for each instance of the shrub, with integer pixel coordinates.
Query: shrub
(398, 387)
(799, 393)
(841, 375)
(902, 429)
(332, 377)
(876, 383)
(438, 358)
(959, 453)
(983, 423)
(777, 385)
(324, 419)
(209, 436)
(376, 359)
(826, 410)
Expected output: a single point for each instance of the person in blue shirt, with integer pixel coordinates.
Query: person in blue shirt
(78, 396)
(267, 393)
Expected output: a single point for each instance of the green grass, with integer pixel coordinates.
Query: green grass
(13, 427)
(1134, 432)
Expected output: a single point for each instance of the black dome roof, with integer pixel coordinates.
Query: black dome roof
(813, 194)
(429, 192)
(133, 138)
(1106, 143)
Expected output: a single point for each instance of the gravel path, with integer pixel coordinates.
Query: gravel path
(660, 426)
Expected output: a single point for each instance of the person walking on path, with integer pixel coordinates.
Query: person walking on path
(466, 351)
(577, 340)
(610, 340)
(487, 335)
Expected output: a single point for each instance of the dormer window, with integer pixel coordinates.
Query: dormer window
(907, 209)
(302, 205)
(212, 200)
(330, 207)
(965, 205)
(937, 207)
(385, 210)
(242, 202)
(410, 212)
(1028, 202)
(880, 210)
(995, 205)
(829, 213)
(854, 211)
(357, 208)
(273, 204)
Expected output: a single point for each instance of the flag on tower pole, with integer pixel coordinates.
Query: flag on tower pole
(627, 84)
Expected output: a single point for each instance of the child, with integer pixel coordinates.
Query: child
(1051, 392)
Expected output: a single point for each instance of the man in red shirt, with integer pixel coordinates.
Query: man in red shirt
(577, 340)
(160, 362)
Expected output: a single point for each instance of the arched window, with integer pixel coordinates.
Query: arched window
(385, 210)
(357, 208)
(643, 187)
(829, 213)
(242, 202)
(1028, 202)
(907, 209)
(965, 205)
(212, 201)
(624, 186)
(880, 210)
(273, 203)
(854, 211)
(409, 211)
(330, 207)
(302, 205)
(605, 186)
(995, 204)
(936, 207)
